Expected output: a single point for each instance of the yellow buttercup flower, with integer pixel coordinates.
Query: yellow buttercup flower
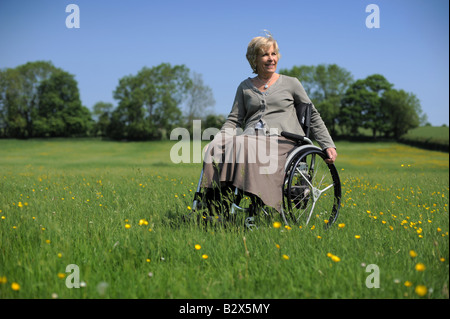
(420, 267)
(127, 226)
(277, 225)
(15, 286)
(198, 247)
(408, 283)
(421, 290)
(285, 257)
(205, 256)
(412, 253)
(335, 259)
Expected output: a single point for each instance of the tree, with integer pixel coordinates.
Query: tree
(60, 113)
(102, 113)
(19, 98)
(361, 105)
(199, 98)
(38, 99)
(404, 111)
(325, 84)
(149, 102)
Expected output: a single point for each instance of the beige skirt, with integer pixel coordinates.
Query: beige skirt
(252, 163)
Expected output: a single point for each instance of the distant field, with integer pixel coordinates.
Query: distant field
(428, 137)
(433, 133)
(114, 210)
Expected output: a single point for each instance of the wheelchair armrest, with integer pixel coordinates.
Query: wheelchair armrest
(293, 137)
(299, 139)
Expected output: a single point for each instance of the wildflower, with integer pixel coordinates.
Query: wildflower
(276, 224)
(59, 255)
(421, 290)
(335, 259)
(408, 283)
(278, 246)
(47, 241)
(20, 204)
(127, 226)
(189, 208)
(205, 256)
(420, 267)
(285, 257)
(148, 260)
(61, 275)
(412, 253)
(15, 286)
(3, 280)
(341, 225)
(287, 227)
(198, 247)
(357, 236)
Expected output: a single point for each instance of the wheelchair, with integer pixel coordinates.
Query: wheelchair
(311, 188)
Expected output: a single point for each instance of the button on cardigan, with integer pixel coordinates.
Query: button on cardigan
(275, 108)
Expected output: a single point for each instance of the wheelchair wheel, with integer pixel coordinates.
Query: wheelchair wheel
(311, 190)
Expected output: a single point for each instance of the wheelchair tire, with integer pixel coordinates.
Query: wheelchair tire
(311, 190)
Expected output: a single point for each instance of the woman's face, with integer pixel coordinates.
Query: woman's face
(267, 62)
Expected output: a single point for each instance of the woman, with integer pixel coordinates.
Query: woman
(264, 106)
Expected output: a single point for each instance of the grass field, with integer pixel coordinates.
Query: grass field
(114, 210)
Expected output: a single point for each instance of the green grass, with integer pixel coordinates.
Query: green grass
(429, 137)
(435, 133)
(67, 202)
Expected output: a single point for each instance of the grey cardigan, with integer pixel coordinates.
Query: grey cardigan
(275, 109)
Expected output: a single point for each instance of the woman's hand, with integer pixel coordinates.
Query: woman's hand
(332, 155)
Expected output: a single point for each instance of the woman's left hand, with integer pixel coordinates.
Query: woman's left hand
(332, 155)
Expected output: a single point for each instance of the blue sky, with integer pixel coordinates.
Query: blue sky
(118, 38)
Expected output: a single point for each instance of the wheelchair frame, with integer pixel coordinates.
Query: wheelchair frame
(293, 208)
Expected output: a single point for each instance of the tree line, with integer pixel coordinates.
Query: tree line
(371, 103)
(38, 99)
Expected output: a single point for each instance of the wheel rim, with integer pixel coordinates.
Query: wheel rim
(311, 190)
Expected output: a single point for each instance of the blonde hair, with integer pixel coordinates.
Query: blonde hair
(258, 46)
